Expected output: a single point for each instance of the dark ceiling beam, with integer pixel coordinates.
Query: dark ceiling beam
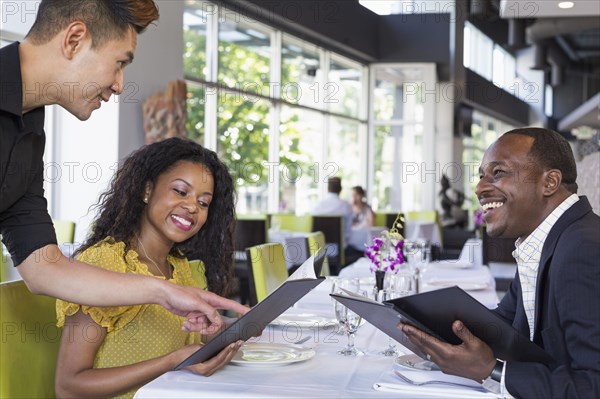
(551, 27)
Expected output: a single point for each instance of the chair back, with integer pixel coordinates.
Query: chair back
(65, 231)
(387, 220)
(497, 249)
(3, 266)
(267, 269)
(333, 229)
(289, 222)
(316, 241)
(30, 342)
(427, 216)
(249, 232)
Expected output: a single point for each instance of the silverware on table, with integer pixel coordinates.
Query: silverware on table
(303, 340)
(436, 382)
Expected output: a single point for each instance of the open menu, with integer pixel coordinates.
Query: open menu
(252, 323)
(434, 312)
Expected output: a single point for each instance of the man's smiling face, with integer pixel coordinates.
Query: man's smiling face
(510, 189)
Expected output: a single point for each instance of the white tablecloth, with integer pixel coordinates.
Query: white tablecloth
(327, 375)
(438, 274)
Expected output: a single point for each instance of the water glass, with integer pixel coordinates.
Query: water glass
(351, 322)
(404, 282)
(352, 285)
(386, 295)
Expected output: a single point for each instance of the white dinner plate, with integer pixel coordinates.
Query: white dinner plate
(256, 354)
(414, 362)
(465, 285)
(304, 320)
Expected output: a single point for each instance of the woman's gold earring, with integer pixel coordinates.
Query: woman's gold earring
(146, 200)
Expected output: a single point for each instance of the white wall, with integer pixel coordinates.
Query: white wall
(158, 60)
(85, 160)
(84, 155)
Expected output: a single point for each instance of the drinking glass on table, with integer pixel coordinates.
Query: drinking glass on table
(386, 295)
(348, 284)
(351, 322)
(403, 282)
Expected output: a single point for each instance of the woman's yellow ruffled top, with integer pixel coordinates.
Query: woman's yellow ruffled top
(134, 333)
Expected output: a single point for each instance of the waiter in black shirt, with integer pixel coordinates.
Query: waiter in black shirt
(73, 56)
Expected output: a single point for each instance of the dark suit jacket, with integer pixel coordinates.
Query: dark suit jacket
(567, 313)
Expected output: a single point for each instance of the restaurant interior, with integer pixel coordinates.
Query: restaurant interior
(399, 97)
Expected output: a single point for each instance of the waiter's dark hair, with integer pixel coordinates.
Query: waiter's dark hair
(105, 19)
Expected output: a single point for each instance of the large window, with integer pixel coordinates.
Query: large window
(243, 142)
(282, 113)
(401, 157)
(491, 61)
(244, 56)
(301, 72)
(300, 152)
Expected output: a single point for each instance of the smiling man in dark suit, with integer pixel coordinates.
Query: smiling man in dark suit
(527, 190)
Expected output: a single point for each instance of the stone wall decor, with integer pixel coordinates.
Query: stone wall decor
(165, 113)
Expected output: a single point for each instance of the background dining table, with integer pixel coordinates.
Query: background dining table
(326, 375)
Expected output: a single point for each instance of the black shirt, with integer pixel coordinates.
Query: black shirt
(25, 224)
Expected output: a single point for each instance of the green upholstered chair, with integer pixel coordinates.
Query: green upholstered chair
(267, 269)
(289, 222)
(3, 266)
(316, 241)
(426, 216)
(423, 216)
(383, 219)
(65, 231)
(29, 344)
(333, 229)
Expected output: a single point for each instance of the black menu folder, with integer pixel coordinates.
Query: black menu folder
(435, 311)
(264, 312)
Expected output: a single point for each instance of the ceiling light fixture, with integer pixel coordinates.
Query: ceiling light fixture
(566, 4)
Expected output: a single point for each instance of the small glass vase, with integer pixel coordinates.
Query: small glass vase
(379, 278)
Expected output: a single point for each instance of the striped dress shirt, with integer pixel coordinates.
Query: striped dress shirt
(528, 253)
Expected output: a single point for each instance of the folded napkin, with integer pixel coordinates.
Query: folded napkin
(389, 382)
(468, 279)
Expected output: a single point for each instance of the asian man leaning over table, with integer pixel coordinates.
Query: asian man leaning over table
(83, 46)
(527, 189)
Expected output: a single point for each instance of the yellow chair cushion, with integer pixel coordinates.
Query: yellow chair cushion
(316, 241)
(30, 342)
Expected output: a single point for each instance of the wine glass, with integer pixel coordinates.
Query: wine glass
(386, 295)
(351, 322)
(348, 284)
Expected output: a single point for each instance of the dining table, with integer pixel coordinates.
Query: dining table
(322, 372)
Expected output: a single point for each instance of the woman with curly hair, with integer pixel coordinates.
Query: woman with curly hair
(167, 199)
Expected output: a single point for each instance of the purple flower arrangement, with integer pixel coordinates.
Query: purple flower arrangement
(387, 251)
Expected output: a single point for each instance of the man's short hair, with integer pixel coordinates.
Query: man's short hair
(334, 185)
(105, 19)
(551, 151)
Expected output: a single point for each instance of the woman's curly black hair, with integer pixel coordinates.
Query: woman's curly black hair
(120, 208)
